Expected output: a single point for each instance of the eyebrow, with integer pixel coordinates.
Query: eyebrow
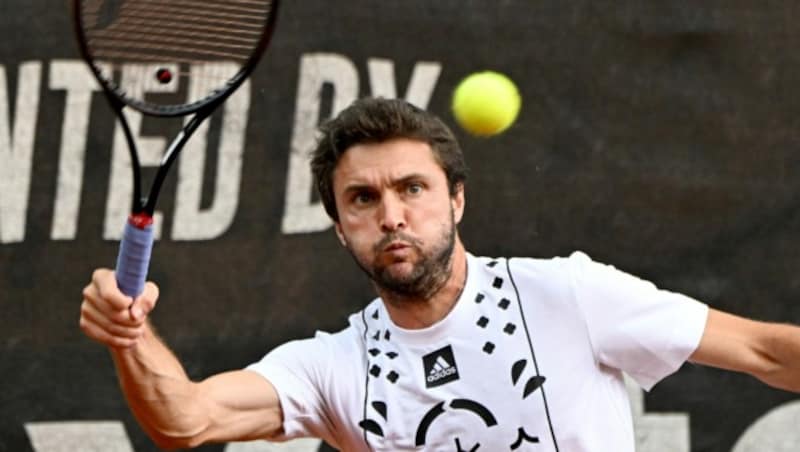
(356, 187)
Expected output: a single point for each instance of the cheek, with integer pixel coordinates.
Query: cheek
(357, 232)
(430, 218)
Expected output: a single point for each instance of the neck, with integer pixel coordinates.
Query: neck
(422, 312)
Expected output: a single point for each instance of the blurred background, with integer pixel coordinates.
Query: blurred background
(657, 136)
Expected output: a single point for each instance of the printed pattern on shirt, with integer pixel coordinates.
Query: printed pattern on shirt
(479, 391)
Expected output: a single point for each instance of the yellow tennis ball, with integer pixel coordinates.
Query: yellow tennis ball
(486, 103)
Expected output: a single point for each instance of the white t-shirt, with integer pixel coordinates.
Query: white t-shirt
(529, 359)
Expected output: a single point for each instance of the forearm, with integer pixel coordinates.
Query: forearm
(173, 410)
(782, 351)
(160, 394)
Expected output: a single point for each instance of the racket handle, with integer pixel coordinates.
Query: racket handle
(134, 255)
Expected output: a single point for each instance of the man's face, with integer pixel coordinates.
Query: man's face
(396, 215)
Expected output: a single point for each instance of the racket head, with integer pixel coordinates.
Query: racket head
(203, 48)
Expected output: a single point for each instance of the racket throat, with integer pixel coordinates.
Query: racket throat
(140, 220)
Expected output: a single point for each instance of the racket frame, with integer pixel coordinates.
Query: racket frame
(115, 91)
(135, 248)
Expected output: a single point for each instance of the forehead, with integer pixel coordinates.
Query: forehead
(374, 163)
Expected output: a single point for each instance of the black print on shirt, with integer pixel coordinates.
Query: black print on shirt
(523, 436)
(372, 426)
(533, 383)
(497, 324)
(497, 283)
(440, 367)
(461, 449)
(457, 404)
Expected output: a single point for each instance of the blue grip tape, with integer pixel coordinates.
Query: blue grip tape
(134, 258)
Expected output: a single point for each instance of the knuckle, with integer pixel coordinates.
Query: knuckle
(89, 313)
(98, 274)
(150, 296)
(121, 317)
(86, 305)
(122, 332)
(101, 294)
(102, 291)
(154, 290)
(148, 305)
(118, 317)
(121, 342)
(86, 317)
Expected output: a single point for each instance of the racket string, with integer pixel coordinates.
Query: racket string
(116, 44)
(200, 46)
(184, 29)
(169, 28)
(198, 14)
(226, 5)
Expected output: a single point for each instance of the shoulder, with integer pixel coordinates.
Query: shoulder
(323, 349)
(349, 337)
(554, 279)
(575, 269)
(552, 269)
(533, 262)
(334, 345)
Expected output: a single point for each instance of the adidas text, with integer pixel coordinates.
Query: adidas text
(441, 374)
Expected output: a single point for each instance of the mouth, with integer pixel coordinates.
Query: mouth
(395, 246)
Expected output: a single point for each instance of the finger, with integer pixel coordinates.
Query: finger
(145, 303)
(91, 295)
(94, 331)
(92, 315)
(105, 282)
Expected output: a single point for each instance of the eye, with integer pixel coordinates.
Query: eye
(363, 198)
(414, 188)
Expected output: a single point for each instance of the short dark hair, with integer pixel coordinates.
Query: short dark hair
(373, 120)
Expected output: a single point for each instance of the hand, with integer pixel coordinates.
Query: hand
(111, 317)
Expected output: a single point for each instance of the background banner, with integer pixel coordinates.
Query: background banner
(657, 136)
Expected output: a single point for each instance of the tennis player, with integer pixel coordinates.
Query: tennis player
(457, 352)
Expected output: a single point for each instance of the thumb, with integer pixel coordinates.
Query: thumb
(144, 303)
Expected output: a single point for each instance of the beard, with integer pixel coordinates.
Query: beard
(429, 272)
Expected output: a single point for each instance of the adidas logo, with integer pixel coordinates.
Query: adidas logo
(440, 367)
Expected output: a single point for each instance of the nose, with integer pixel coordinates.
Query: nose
(392, 214)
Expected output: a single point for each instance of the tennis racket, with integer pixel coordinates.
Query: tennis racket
(202, 48)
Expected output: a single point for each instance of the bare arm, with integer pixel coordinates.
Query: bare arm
(767, 351)
(175, 411)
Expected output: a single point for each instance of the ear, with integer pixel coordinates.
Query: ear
(338, 228)
(458, 202)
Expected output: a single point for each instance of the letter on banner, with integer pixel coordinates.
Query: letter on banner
(420, 87)
(16, 149)
(657, 432)
(191, 222)
(295, 445)
(69, 436)
(74, 77)
(110, 436)
(775, 431)
(300, 214)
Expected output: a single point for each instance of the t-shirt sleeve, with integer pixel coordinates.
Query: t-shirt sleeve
(634, 326)
(298, 370)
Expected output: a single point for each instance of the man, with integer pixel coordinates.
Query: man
(458, 353)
